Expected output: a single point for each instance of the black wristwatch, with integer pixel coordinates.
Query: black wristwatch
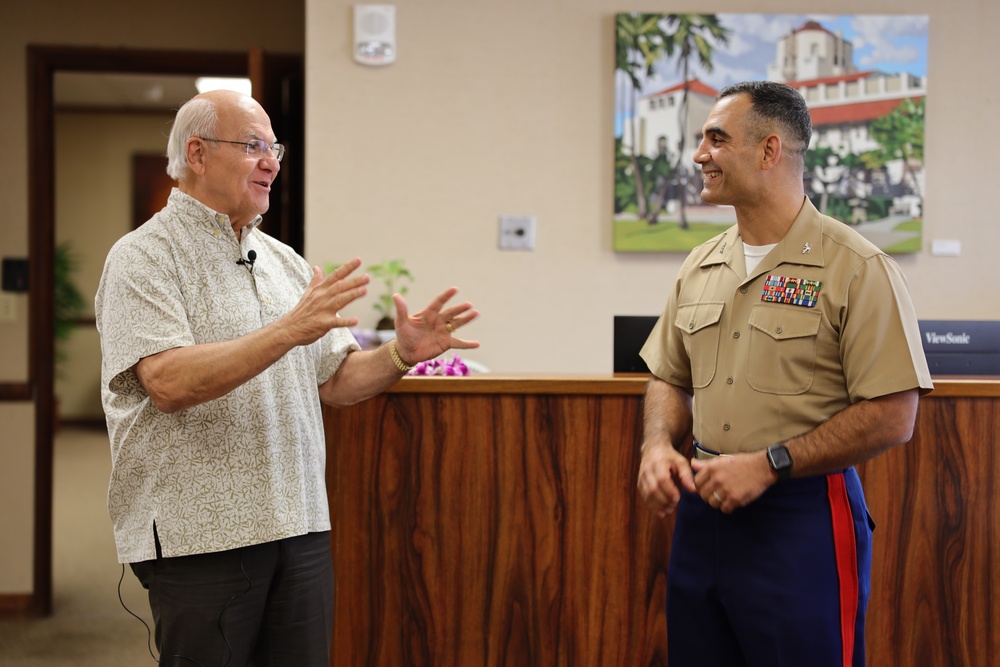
(780, 461)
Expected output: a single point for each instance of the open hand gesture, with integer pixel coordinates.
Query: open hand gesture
(431, 332)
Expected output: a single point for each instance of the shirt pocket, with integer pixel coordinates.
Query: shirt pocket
(699, 322)
(782, 353)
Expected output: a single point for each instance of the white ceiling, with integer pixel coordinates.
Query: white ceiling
(122, 91)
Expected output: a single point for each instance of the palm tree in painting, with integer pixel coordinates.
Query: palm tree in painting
(900, 135)
(692, 35)
(640, 43)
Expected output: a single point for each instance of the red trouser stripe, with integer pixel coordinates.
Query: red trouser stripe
(846, 554)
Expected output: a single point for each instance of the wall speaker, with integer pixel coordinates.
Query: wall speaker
(375, 34)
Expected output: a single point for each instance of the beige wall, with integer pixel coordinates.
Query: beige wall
(183, 24)
(507, 107)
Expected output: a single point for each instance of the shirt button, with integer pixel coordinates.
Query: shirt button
(743, 290)
(691, 326)
(729, 380)
(736, 334)
(725, 427)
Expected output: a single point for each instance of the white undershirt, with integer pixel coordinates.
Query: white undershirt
(752, 254)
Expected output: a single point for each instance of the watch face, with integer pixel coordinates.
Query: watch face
(779, 458)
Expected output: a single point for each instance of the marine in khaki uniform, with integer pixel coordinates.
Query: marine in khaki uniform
(789, 345)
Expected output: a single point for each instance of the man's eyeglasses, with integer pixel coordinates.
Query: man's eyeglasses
(257, 148)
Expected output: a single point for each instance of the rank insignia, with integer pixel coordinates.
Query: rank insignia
(796, 291)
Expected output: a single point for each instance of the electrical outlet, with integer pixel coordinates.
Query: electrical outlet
(517, 232)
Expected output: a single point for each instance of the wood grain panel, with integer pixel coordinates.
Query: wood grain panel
(493, 530)
(501, 527)
(936, 573)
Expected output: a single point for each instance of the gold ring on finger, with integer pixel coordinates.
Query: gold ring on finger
(449, 327)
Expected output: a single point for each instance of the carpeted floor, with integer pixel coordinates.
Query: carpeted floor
(89, 627)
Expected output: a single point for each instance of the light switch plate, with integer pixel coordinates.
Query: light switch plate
(8, 307)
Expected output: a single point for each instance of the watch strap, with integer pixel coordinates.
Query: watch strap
(780, 461)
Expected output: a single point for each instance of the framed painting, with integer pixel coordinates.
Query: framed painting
(864, 79)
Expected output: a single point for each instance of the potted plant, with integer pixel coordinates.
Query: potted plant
(391, 272)
(68, 301)
(68, 306)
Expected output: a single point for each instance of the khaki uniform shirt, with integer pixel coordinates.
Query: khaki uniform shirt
(766, 362)
(248, 467)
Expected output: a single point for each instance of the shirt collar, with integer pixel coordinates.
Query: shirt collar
(802, 245)
(725, 249)
(202, 216)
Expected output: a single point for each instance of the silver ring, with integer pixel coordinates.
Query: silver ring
(718, 498)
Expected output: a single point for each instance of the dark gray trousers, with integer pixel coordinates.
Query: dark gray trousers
(268, 605)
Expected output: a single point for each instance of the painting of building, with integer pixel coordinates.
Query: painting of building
(863, 79)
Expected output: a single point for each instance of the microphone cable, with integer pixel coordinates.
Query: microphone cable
(149, 634)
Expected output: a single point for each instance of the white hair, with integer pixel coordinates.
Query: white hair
(196, 118)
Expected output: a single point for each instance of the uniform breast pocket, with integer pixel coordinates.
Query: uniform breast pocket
(699, 323)
(783, 343)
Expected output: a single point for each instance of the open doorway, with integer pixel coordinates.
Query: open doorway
(110, 131)
(277, 84)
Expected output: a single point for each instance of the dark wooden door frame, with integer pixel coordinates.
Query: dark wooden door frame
(42, 64)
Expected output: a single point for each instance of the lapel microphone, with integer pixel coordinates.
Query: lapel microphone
(250, 259)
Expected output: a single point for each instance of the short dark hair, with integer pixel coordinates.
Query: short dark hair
(774, 103)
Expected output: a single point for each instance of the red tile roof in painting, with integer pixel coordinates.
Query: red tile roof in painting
(813, 25)
(694, 86)
(852, 112)
(857, 112)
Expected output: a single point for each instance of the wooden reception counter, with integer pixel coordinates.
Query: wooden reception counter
(493, 520)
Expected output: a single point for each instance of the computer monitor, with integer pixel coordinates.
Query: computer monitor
(630, 333)
(961, 347)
